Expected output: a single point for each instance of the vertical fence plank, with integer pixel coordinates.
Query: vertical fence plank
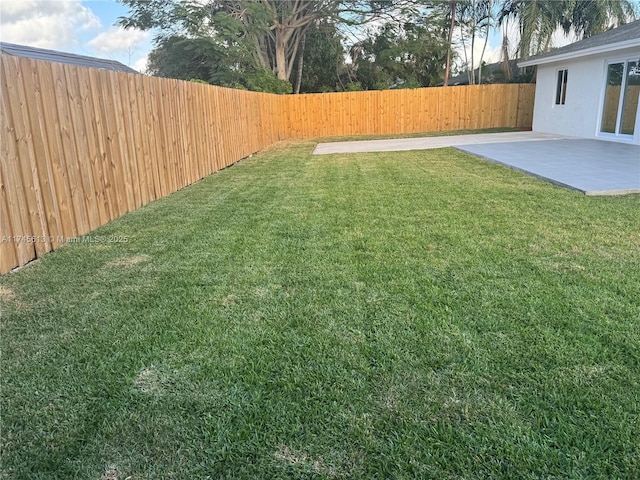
(94, 160)
(8, 160)
(86, 197)
(26, 200)
(525, 105)
(104, 148)
(121, 137)
(115, 142)
(124, 105)
(136, 139)
(14, 251)
(49, 163)
(8, 253)
(216, 127)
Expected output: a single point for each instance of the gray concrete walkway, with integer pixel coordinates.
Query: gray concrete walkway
(424, 143)
(593, 167)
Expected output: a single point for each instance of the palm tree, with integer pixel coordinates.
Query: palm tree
(452, 13)
(539, 19)
(476, 19)
(590, 17)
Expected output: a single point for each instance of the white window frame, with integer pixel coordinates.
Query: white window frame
(560, 96)
(620, 137)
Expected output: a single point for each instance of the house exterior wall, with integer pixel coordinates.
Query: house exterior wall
(580, 115)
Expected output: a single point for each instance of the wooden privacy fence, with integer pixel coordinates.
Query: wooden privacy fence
(407, 111)
(80, 147)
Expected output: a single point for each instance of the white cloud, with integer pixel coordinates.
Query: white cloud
(45, 23)
(559, 39)
(141, 64)
(491, 53)
(117, 40)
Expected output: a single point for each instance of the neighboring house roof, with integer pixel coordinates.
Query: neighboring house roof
(625, 36)
(491, 73)
(63, 57)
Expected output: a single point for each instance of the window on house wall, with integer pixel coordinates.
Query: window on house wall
(561, 87)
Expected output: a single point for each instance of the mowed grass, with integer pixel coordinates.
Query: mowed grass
(420, 314)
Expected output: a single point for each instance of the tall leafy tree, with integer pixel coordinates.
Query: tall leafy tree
(270, 31)
(405, 54)
(324, 60)
(198, 59)
(475, 18)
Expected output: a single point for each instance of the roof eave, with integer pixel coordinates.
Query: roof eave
(634, 42)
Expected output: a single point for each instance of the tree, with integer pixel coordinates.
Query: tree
(271, 31)
(195, 58)
(475, 18)
(182, 58)
(451, 7)
(590, 17)
(324, 60)
(539, 19)
(202, 59)
(406, 54)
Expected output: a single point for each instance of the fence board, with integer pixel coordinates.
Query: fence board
(114, 161)
(85, 202)
(93, 163)
(104, 160)
(80, 147)
(13, 252)
(46, 178)
(25, 202)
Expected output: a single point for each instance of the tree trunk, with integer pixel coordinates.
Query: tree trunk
(300, 64)
(282, 37)
(506, 66)
(466, 57)
(472, 78)
(484, 47)
(447, 70)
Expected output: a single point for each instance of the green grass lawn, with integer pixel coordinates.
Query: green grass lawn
(419, 314)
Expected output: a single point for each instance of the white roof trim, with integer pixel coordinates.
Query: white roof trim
(635, 42)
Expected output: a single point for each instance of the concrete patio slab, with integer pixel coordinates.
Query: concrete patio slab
(424, 143)
(593, 167)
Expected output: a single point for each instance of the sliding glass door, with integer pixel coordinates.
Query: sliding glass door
(621, 98)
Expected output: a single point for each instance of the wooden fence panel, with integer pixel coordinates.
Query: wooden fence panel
(14, 214)
(406, 111)
(45, 178)
(25, 199)
(80, 147)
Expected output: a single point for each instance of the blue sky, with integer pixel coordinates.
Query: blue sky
(77, 26)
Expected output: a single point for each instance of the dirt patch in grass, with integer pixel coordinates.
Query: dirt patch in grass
(128, 261)
(111, 473)
(584, 374)
(229, 300)
(6, 294)
(391, 400)
(148, 380)
(301, 459)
